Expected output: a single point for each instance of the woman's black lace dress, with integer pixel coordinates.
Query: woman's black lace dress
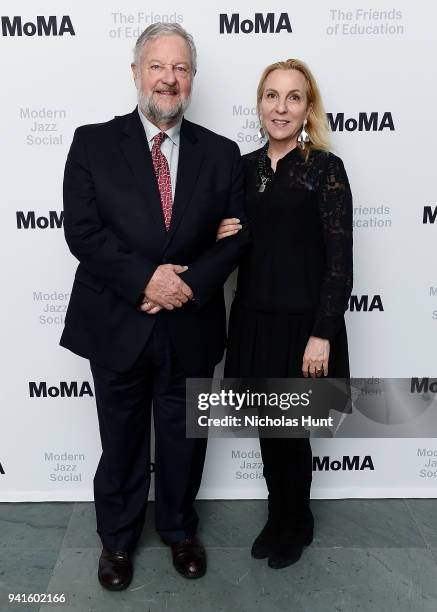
(294, 282)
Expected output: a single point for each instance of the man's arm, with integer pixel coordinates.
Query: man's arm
(208, 273)
(93, 243)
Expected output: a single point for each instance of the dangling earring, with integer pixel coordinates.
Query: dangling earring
(303, 137)
(261, 132)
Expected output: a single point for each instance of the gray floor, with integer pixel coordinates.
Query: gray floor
(368, 555)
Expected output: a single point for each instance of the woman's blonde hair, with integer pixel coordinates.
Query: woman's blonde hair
(317, 125)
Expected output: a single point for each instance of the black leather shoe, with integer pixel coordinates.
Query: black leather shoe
(115, 570)
(288, 549)
(264, 544)
(189, 557)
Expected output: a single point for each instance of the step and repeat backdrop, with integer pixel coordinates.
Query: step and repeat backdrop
(66, 64)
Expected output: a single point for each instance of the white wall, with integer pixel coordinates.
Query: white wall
(85, 78)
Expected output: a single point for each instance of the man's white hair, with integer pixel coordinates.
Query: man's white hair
(165, 29)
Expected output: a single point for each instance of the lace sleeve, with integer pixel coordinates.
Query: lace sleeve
(336, 217)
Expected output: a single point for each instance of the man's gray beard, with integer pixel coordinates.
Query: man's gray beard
(159, 115)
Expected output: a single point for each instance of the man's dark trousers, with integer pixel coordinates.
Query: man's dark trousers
(121, 484)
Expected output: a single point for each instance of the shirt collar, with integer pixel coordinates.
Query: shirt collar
(151, 130)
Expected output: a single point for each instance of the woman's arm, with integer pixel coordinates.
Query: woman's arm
(336, 217)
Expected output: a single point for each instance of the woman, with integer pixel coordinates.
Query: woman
(287, 318)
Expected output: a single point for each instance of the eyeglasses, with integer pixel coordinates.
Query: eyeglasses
(183, 70)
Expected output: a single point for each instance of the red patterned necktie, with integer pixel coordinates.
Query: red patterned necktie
(162, 172)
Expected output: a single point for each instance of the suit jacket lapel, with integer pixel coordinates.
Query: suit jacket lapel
(190, 160)
(136, 151)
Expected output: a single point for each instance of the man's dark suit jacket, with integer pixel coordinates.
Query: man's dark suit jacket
(114, 226)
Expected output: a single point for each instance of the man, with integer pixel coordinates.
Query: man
(143, 198)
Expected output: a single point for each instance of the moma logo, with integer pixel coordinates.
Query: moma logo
(346, 463)
(29, 220)
(42, 26)
(429, 214)
(365, 303)
(1, 469)
(268, 23)
(365, 122)
(65, 389)
(423, 385)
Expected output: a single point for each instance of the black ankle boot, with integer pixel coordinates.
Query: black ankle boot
(290, 542)
(265, 543)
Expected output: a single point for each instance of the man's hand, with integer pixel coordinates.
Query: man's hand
(316, 357)
(150, 308)
(166, 290)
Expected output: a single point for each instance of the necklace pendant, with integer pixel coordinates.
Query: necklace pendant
(263, 184)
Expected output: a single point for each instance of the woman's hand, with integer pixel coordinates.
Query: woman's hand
(228, 227)
(316, 357)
